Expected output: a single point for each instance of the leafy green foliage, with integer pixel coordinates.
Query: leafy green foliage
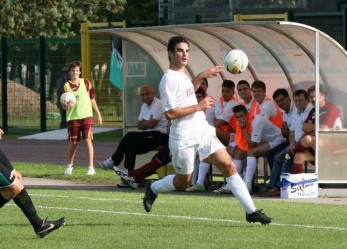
(54, 18)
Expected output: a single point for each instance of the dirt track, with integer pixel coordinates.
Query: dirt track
(52, 151)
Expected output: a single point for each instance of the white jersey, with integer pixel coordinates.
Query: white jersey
(154, 111)
(267, 108)
(298, 120)
(265, 131)
(224, 110)
(177, 91)
(288, 117)
(210, 117)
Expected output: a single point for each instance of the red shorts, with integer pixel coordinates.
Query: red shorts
(78, 126)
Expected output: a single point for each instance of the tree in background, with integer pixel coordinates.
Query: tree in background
(53, 18)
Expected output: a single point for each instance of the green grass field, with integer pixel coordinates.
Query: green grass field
(117, 219)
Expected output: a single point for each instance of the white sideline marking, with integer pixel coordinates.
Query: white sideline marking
(165, 216)
(188, 217)
(184, 217)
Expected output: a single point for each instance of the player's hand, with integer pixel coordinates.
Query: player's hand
(231, 150)
(1, 133)
(67, 106)
(242, 122)
(213, 71)
(207, 102)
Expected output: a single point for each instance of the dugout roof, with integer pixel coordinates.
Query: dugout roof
(282, 54)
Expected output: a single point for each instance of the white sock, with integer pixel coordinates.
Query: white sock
(196, 170)
(239, 165)
(239, 189)
(203, 170)
(163, 185)
(69, 165)
(250, 171)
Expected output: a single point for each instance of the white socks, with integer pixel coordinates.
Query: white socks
(163, 185)
(239, 165)
(250, 171)
(203, 170)
(239, 189)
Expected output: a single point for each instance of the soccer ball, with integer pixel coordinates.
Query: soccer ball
(235, 61)
(68, 99)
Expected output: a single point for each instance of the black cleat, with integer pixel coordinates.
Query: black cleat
(149, 197)
(49, 226)
(258, 216)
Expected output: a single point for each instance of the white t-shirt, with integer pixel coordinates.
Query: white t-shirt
(210, 117)
(267, 108)
(265, 131)
(298, 119)
(177, 91)
(154, 111)
(225, 111)
(288, 117)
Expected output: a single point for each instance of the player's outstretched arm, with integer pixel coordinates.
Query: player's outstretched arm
(184, 111)
(208, 73)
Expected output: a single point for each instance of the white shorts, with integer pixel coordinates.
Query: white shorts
(183, 159)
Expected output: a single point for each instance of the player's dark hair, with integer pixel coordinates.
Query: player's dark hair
(175, 40)
(229, 84)
(258, 84)
(74, 64)
(280, 91)
(240, 108)
(200, 90)
(243, 82)
(311, 89)
(300, 92)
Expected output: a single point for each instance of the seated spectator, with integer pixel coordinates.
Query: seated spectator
(153, 124)
(276, 156)
(296, 132)
(305, 149)
(237, 147)
(265, 107)
(224, 119)
(132, 178)
(329, 114)
(263, 137)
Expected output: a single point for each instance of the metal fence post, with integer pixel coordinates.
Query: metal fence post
(43, 111)
(4, 83)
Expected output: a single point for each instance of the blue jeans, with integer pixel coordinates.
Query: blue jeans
(280, 165)
(274, 151)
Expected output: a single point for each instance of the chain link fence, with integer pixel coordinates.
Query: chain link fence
(32, 67)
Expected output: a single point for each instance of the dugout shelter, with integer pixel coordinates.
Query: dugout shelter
(282, 54)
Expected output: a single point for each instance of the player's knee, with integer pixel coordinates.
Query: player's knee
(181, 183)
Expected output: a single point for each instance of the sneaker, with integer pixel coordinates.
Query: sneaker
(222, 190)
(196, 188)
(274, 192)
(149, 197)
(258, 216)
(49, 226)
(68, 170)
(121, 171)
(122, 185)
(264, 190)
(91, 171)
(130, 181)
(107, 164)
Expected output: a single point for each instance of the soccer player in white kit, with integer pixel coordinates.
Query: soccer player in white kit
(191, 134)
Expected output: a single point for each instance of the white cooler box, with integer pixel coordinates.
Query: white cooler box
(299, 185)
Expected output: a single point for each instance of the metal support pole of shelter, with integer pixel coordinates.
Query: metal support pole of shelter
(317, 98)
